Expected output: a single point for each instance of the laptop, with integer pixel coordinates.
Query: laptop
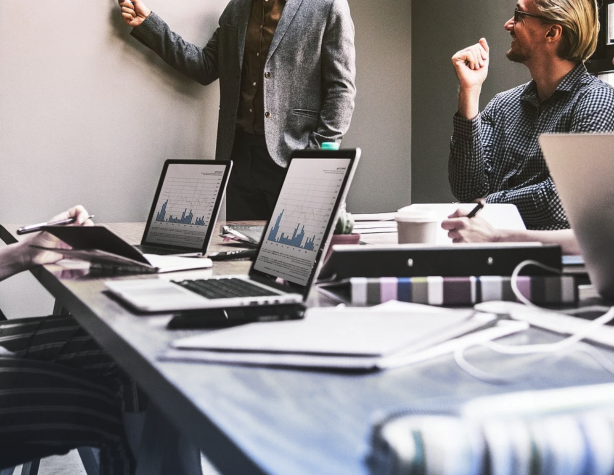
(288, 257)
(582, 167)
(185, 207)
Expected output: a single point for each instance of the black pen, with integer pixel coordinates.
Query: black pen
(477, 208)
(32, 228)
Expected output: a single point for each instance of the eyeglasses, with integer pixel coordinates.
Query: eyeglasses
(518, 13)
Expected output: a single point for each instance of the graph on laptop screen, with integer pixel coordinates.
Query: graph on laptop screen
(303, 210)
(185, 205)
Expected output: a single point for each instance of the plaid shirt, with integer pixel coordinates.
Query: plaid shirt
(496, 155)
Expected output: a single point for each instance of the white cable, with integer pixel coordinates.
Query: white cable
(566, 343)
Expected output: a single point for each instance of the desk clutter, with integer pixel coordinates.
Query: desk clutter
(560, 431)
(344, 338)
(455, 291)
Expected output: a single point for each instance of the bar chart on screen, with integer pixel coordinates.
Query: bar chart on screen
(185, 205)
(301, 216)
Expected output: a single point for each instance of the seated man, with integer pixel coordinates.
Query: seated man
(58, 389)
(495, 153)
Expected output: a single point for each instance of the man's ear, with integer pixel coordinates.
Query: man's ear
(554, 33)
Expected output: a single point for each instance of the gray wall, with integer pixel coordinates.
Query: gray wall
(436, 36)
(88, 115)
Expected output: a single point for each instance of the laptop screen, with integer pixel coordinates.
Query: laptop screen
(186, 204)
(304, 216)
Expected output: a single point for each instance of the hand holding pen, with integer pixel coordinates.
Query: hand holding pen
(468, 227)
(75, 216)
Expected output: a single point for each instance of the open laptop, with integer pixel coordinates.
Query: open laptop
(185, 207)
(290, 253)
(582, 167)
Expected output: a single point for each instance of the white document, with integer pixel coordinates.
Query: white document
(176, 263)
(499, 215)
(387, 336)
(410, 355)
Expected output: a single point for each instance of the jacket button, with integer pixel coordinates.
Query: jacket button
(267, 114)
(267, 75)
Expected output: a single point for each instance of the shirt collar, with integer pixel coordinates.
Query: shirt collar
(568, 84)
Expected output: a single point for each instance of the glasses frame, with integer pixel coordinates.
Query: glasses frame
(519, 13)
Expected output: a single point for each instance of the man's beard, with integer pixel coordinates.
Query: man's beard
(516, 56)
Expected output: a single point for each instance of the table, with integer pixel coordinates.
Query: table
(252, 420)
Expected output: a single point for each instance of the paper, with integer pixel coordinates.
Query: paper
(346, 331)
(355, 363)
(374, 216)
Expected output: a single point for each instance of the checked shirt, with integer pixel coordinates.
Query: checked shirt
(497, 155)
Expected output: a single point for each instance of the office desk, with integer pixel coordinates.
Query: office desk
(281, 421)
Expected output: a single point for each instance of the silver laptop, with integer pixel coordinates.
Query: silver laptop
(582, 167)
(185, 207)
(290, 253)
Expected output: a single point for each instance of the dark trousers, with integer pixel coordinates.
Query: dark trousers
(255, 180)
(58, 391)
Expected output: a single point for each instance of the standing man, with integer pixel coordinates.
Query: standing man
(286, 71)
(495, 153)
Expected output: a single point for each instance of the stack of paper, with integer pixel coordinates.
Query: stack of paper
(340, 338)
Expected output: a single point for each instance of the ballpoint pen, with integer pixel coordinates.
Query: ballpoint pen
(477, 208)
(32, 228)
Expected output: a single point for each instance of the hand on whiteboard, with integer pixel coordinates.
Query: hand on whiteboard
(134, 12)
(471, 64)
(463, 229)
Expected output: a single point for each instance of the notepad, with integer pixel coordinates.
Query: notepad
(339, 338)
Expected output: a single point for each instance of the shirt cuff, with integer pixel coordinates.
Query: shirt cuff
(466, 127)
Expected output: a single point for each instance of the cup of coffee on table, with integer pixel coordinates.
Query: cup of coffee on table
(416, 226)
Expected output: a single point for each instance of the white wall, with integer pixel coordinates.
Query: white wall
(88, 115)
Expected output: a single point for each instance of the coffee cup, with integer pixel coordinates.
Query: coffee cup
(416, 226)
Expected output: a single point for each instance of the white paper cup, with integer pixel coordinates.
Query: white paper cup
(416, 226)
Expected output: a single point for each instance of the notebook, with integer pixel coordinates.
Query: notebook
(289, 255)
(582, 167)
(185, 207)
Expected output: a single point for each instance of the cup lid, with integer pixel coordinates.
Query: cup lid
(415, 215)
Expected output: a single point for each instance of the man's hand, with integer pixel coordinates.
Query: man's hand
(463, 229)
(43, 239)
(471, 65)
(134, 12)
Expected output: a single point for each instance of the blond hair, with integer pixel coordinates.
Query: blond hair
(580, 22)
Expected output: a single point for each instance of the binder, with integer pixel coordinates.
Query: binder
(451, 291)
(458, 260)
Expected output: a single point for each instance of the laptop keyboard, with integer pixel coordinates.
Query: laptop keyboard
(224, 288)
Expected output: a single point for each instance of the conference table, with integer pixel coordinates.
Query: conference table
(257, 420)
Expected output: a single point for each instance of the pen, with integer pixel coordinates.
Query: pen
(32, 228)
(475, 210)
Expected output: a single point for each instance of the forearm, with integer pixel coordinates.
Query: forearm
(14, 258)
(563, 237)
(467, 170)
(469, 102)
(538, 204)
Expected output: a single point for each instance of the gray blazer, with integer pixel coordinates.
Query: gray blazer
(309, 79)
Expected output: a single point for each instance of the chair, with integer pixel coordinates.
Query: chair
(89, 458)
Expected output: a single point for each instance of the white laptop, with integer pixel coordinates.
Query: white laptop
(290, 254)
(185, 207)
(582, 167)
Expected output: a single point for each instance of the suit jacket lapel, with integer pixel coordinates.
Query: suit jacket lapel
(242, 20)
(284, 22)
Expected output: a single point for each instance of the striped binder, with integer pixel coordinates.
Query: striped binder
(552, 290)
